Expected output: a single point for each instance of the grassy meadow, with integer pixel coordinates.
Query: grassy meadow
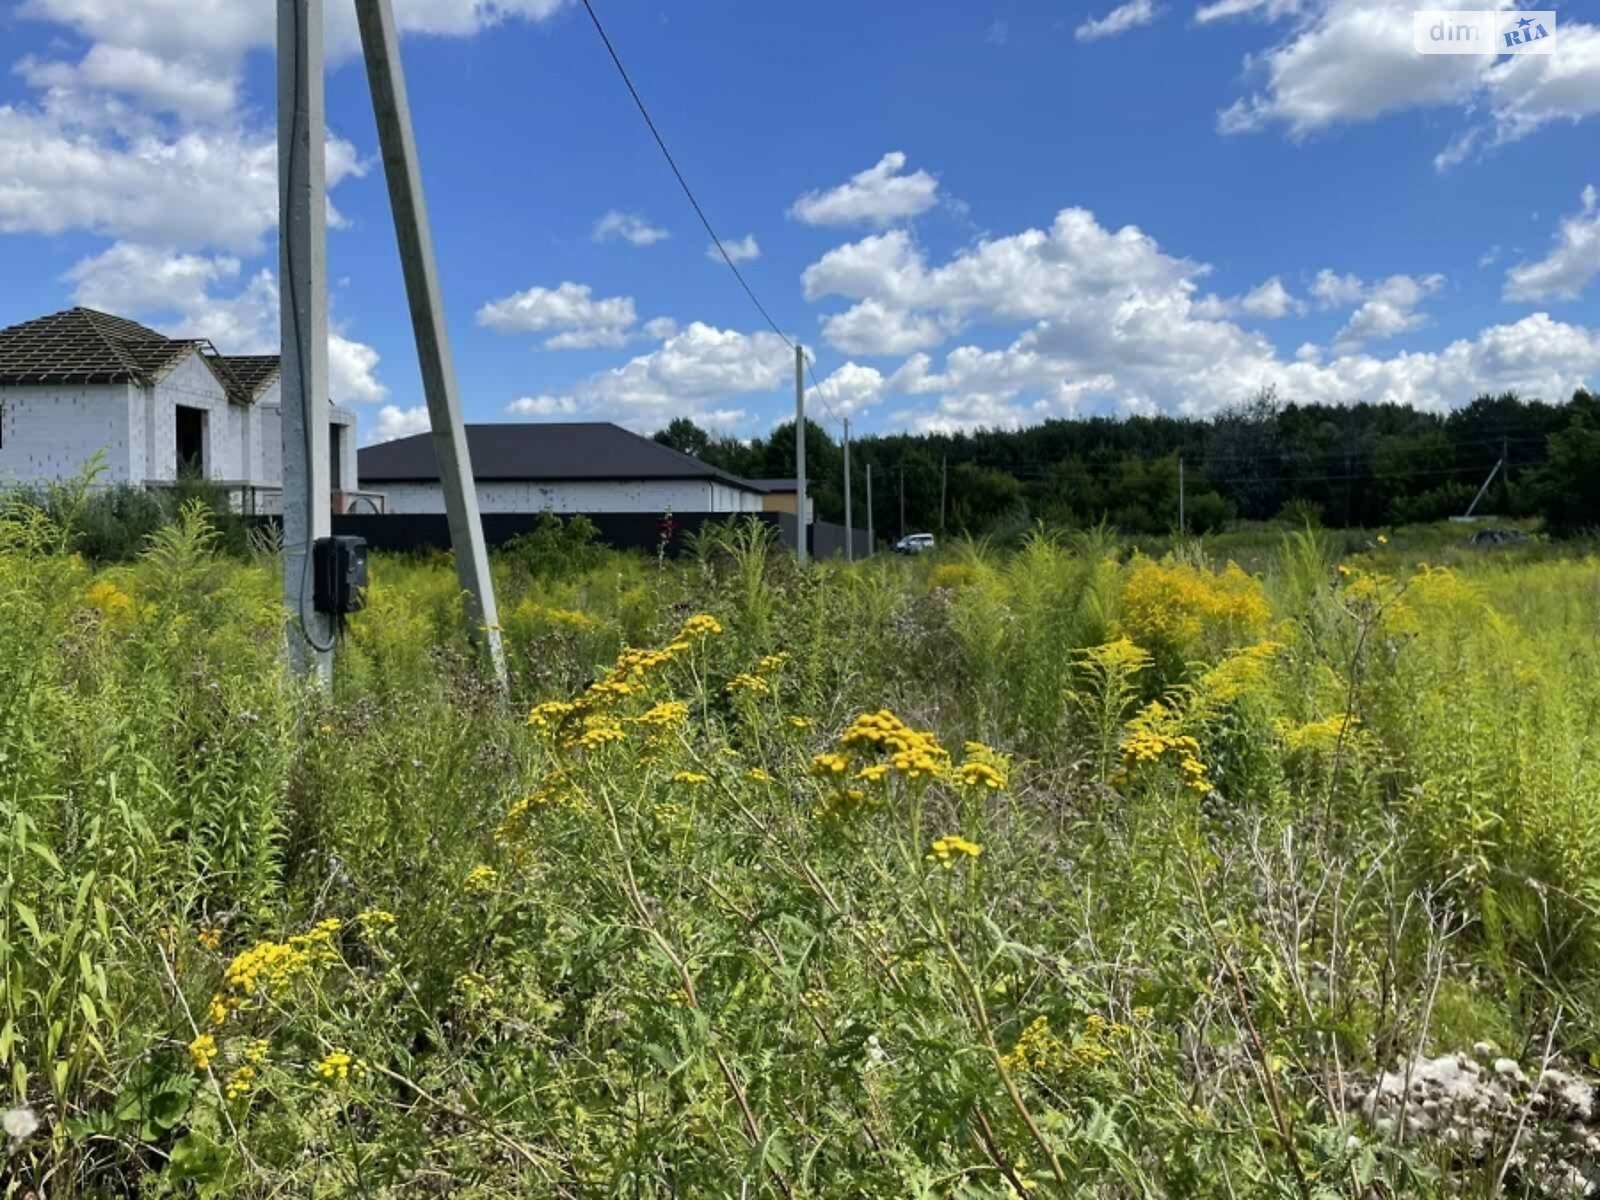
(1059, 870)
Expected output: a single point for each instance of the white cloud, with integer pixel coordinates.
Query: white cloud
(1221, 10)
(880, 195)
(660, 328)
(174, 293)
(692, 373)
(628, 227)
(1527, 91)
(1572, 263)
(184, 87)
(352, 371)
(852, 388)
(569, 312)
(872, 327)
(741, 250)
(69, 168)
(542, 406)
(1333, 289)
(1119, 20)
(131, 278)
(1269, 301)
(222, 32)
(1031, 275)
(1352, 60)
(1389, 310)
(1108, 319)
(396, 422)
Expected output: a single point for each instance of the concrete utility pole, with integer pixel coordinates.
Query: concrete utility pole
(800, 453)
(944, 486)
(303, 320)
(849, 517)
(872, 544)
(902, 500)
(380, 44)
(1182, 528)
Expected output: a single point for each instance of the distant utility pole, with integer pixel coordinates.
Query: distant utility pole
(1181, 526)
(944, 483)
(800, 453)
(902, 500)
(380, 44)
(872, 545)
(303, 318)
(849, 518)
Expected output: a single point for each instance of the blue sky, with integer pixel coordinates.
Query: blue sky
(974, 213)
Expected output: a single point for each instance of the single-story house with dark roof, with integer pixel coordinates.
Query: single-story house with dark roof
(79, 383)
(576, 467)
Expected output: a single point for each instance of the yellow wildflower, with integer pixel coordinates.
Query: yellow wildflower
(744, 682)
(550, 713)
(202, 1050)
(599, 733)
(669, 714)
(691, 778)
(758, 775)
(700, 625)
(773, 663)
(801, 722)
(480, 880)
(974, 773)
(239, 1082)
(950, 848)
(829, 764)
(209, 937)
(336, 1067)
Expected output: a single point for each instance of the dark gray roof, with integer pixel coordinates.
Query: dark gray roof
(82, 345)
(250, 372)
(774, 485)
(528, 451)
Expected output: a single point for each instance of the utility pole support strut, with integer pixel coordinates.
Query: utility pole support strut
(380, 44)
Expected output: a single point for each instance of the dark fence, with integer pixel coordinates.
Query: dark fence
(411, 532)
(827, 539)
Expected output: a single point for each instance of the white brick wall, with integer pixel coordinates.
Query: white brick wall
(646, 496)
(49, 433)
(192, 384)
(270, 414)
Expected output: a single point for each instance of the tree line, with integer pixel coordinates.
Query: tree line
(1358, 465)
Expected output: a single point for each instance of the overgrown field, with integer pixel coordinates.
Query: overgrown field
(1063, 871)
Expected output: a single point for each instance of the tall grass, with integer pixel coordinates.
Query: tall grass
(1151, 862)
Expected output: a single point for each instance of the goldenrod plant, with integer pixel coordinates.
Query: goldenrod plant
(1069, 870)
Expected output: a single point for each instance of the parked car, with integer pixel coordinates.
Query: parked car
(914, 543)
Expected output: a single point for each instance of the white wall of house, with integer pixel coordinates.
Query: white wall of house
(193, 384)
(579, 496)
(270, 440)
(51, 432)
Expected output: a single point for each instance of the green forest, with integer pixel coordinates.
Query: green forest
(1360, 465)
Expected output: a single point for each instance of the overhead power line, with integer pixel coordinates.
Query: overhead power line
(616, 60)
(682, 182)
